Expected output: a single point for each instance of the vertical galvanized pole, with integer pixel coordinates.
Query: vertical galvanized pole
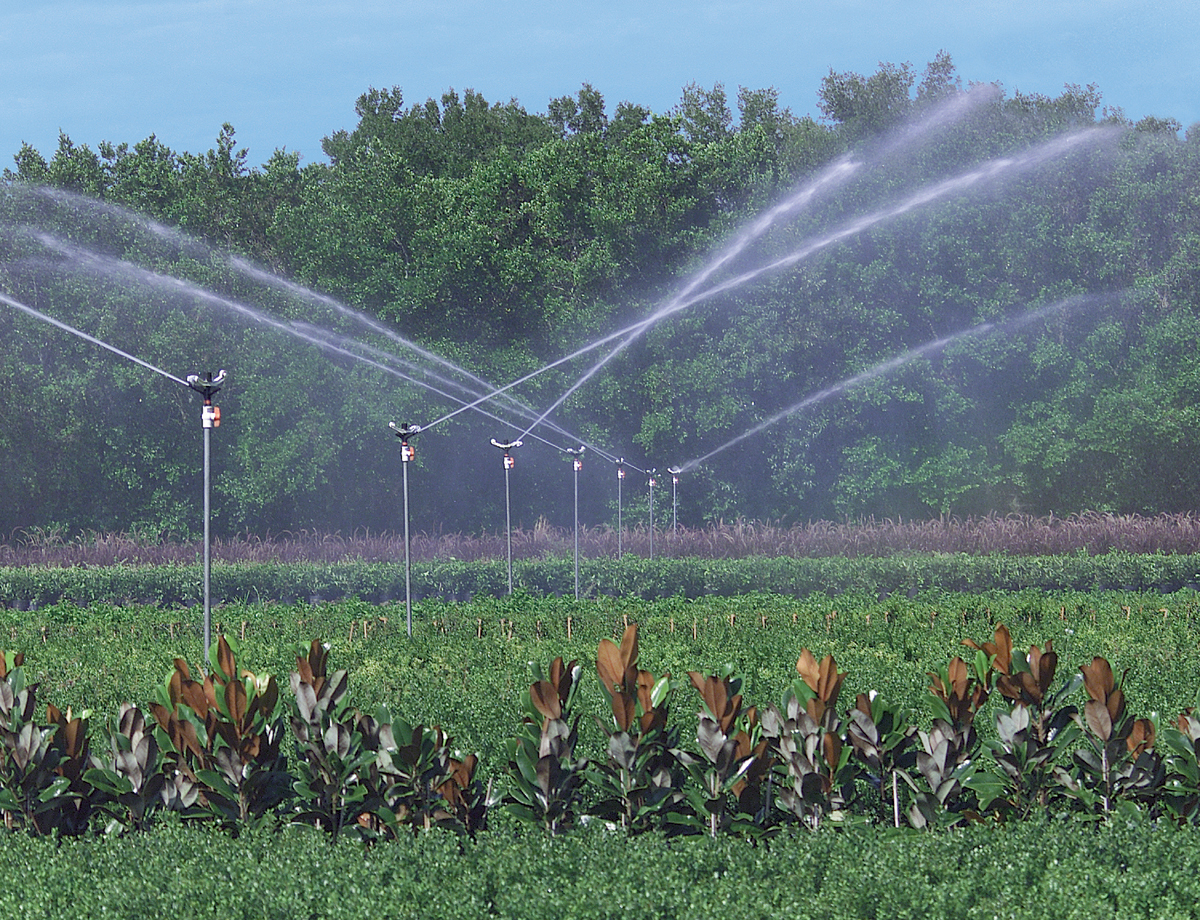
(652, 472)
(674, 500)
(407, 561)
(620, 479)
(207, 544)
(210, 418)
(404, 432)
(509, 463)
(577, 465)
(508, 519)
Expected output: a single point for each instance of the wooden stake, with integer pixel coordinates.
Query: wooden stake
(568, 629)
(479, 628)
(693, 630)
(243, 633)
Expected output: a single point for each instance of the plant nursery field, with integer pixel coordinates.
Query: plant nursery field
(736, 812)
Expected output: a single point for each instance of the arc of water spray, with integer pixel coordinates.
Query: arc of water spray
(304, 331)
(176, 237)
(925, 196)
(66, 327)
(324, 338)
(834, 174)
(886, 367)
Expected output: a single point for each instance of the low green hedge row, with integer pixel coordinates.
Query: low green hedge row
(1028, 870)
(630, 576)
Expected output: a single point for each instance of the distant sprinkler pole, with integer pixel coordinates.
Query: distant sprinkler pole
(620, 479)
(210, 418)
(508, 447)
(651, 473)
(407, 454)
(577, 465)
(674, 471)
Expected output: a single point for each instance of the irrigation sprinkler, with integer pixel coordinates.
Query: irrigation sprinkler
(577, 465)
(651, 473)
(674, 471)
(404, 432)
(620, 479)
(509, 463)
(210, 418)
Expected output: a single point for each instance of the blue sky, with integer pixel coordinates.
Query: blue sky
(287, 72)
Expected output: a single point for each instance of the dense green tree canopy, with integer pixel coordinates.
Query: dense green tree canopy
(788, 255)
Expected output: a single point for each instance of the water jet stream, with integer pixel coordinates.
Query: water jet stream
(833, 175)
(37, 314)
(307, 332)
(886, 367)
(988, 171)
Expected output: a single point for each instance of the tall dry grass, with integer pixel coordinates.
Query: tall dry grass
(1090, 532)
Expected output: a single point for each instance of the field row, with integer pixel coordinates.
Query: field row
(802, 709)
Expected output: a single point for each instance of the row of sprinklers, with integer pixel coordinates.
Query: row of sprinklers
(209, 385)
(407, 431)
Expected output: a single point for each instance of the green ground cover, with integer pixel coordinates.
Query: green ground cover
(465, 667)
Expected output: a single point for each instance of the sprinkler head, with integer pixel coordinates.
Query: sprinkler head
(508, 446)
(404, 432)
(207, 387)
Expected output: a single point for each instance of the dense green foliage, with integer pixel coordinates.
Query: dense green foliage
(504, 239)
(691, 578)
(464, 668)
(1039, 872)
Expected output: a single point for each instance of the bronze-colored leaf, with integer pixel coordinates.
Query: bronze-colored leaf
(1141, 737)
(832, 746)
(545, 699)
(957, 672)
(629, 647)
(609, 667)
(1116, 705)
(1098, 678)
(808, 669)
(235, 701)
(623, 710)
(225, 662)
(829, 683)
(1098, 719)
(191, 694)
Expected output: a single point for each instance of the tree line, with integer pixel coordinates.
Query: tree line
(504, 239)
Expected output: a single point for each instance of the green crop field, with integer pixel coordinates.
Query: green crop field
(467, 669)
